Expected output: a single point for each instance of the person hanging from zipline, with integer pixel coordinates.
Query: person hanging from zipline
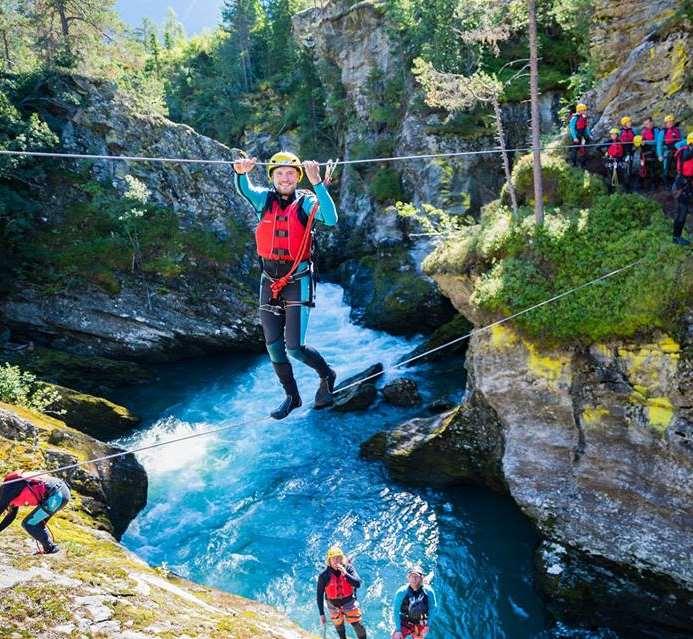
(46, 494)
(337, 585)
(284, 244)
(414, 606)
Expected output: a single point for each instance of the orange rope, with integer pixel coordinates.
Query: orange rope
(278, 285)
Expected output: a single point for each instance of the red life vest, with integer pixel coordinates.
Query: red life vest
(615, 150)
(580, 122)
(338, 587)
(685, 167)
(627, 135)
(33, 494)
(672, 135)
(647, 135)
(279, 234)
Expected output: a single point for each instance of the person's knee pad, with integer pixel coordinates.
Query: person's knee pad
(277, 352)
(297, 353)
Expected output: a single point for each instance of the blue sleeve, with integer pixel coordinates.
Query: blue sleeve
(660, 143)
(256, 196)
(397, 606)
(572, 128)
(432, 603)
(327, 213)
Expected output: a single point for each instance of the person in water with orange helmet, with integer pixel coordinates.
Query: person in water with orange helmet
(284, 245)
(46, 494)
(337, 586)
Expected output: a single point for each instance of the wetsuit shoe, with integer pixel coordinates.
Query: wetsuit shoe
(323, 398)
(681, 241)
(290, 402)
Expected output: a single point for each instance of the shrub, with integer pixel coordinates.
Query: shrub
(519, 264)
(22, 389)
(386, 185)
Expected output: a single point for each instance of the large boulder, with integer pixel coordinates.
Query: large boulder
(358, 392)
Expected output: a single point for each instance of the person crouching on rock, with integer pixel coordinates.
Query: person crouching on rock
(414, 606)
(47, 494)
(284, 240)
(337, 584)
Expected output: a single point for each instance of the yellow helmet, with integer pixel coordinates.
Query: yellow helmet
(669, 118)
(689, 138)
(581, 108)
(614, 131)
(284, 158)
(334, 551)
(637, 140)
(626, 120)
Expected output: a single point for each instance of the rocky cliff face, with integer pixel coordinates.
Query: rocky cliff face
(642, 52)
(596, 446)
(353, 47)
(145, 317)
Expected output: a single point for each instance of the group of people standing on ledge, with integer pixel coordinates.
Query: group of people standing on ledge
(641, 159)
(414, 603)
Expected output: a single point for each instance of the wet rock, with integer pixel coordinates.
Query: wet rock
(461, 446)
(401, 392)
(388, 293)
(456, 328)
(440, 406)
(360, 396)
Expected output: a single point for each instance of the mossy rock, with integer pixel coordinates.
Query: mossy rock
(386, 292)
(95, 416)
(88, 374)
(563, 184)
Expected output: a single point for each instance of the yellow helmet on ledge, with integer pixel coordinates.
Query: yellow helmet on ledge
(284, 158)
(581, 108)
(669, 118)
(689, 138)
(626, 120)
(614, 131)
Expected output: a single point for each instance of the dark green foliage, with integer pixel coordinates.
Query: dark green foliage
(520, 264)
(386, 186)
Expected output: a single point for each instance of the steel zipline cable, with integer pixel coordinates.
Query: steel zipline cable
(405, 362)
(396, 158)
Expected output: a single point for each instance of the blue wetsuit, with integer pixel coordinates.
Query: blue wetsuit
(285, 320)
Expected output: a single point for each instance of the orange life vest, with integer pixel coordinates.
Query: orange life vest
(338, 587)
(280, 232)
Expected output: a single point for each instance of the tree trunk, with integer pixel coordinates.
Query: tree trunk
(534, 95)
(6, 46)
(504, 155)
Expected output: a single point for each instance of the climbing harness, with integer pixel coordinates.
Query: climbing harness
(405, 362)
(278, 285)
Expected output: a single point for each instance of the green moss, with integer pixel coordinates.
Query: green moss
(38, 606)
(512, 264)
